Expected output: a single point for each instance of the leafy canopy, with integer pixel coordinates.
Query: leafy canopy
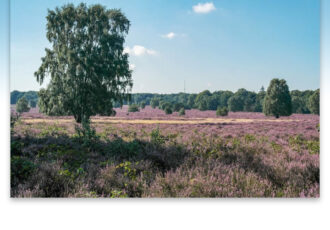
(277, 101)
(22, 105)
(88, 69)
(314, 102)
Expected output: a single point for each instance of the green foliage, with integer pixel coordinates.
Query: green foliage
(235, 104)
(86, 134)
(121, 148)
(33, 104)
(156, 137)
(16, 148)
(242, 100)
(314, 102)
(128, 170)
(88, 69)
(154, 102)
(22, 105)
(182, 112)
(202, 100)
(260, 100)
(313, 146)
(31, 96)
(143, 104)
(249, 138)
(191, 100)
(117, 194)
(133, 108)
(52, 130)
(300, 101)
(222, 111)
(178, 106)
(20, 169)
(49, 105)
(14, 118)
(277, 101)
(164, 104)
(298, 143)
(168, 110)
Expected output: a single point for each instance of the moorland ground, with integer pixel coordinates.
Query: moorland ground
(151, 154)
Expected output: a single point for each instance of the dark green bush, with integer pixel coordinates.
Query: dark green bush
(177, 107)
(133, 108)
(22, 105)
(222, 111)
(168, 110)
(20, 169)
(156, 137)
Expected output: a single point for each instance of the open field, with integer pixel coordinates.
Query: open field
(150, 154)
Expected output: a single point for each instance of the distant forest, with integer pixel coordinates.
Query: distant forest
(241, 100)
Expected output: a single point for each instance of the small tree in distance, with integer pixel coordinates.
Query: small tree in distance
(222, 111)
(168, 110)
(22, 105)
(277, 101)
(133, 108)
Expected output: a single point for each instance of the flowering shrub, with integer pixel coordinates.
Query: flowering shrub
(262, 158)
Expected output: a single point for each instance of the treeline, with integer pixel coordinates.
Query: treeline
(30, 96)
(241, 100)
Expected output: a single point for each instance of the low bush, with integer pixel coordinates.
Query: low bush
(20, 169)
(222, 111)
(168, 110)
(133, 108)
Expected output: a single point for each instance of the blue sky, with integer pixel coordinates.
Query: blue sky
(225, 44)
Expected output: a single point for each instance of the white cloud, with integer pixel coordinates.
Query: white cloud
(127, 50)
(172, 35)
(169, 35)
(132, 66)
(204, 8)
(139, 51)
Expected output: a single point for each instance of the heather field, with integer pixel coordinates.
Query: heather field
(151, 154)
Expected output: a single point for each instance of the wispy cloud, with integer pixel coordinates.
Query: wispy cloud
(204, 8)
(138, 50)
(170, 35)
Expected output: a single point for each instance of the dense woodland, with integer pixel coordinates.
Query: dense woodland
(241, 100)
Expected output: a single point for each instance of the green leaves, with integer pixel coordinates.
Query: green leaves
(277, 101)
(314, 102)
(89, 71)
(222, 111)
(22, 105)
